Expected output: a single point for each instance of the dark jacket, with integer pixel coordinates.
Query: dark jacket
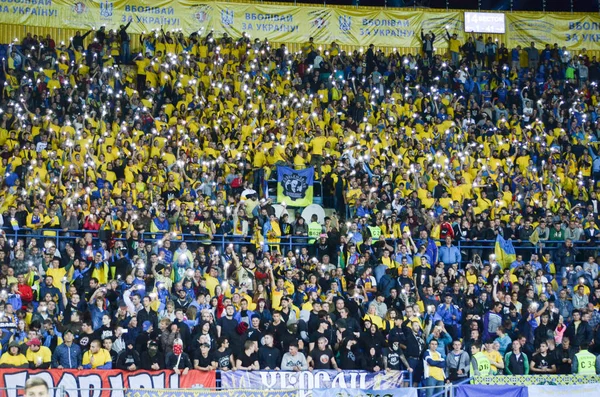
(582, 336)
(148, 360)
(144, 315)
(171, 361)
(128, 357)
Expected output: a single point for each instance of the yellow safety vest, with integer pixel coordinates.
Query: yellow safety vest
(483, 364)
(586, 363)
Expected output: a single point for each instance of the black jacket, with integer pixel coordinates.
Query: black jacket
(171, 361)
(144, 315)
(148, 360)
(583, 335)
(128, 357)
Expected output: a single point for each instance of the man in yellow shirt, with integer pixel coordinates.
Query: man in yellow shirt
(211, 280)
(96, 357)
(496, 360)
(39, 357)
(433, 369)
(454, 48)
(317, 143)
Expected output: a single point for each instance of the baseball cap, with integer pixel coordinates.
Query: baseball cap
(146, 325)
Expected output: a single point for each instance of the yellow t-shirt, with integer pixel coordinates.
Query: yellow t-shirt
(100, 358)
(211, 284)
(42, 356)
(495, 357)
(374, 319)
(13, 361)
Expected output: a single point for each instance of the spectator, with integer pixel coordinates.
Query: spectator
(433, 372)
(579, 331)
(177, 359)
(96, 357)
(67, 355)
(393, 360)
(584, 362)
(152, 359)
(449, 254)
(129, 359)
(269, 357)
(39, 356)
(204, 359)
(533, 57)
(542, 362)
(517, 362)
(248, 359)
(458, 363)
(294, 360)
(13, 358)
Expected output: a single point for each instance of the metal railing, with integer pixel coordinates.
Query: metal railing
(449, 388)
(480, 247)
(290, 242)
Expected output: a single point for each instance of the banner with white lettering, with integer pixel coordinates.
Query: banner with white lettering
(103, 383)
(590, 390)
(305, 381)
(398, 392)
(210, 393)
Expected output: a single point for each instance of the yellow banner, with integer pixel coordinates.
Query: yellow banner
(276, 23)
(87, 14)
(575, 32)
(439, 22)
(381, 28)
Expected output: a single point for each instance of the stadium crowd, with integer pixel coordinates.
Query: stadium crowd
(119, 173)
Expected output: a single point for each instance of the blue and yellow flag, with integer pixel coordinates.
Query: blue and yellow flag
(505, 252)
(295, 187)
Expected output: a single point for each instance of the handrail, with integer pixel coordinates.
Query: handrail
(448, 390)
(289, 242)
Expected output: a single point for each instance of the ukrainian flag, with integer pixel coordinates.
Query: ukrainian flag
(295, 187)
(505, 252)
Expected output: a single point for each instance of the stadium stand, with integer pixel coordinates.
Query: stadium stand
(139, 233)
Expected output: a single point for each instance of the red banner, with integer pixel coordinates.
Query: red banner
(103, 383)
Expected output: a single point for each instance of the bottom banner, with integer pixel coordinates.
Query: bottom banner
(336, 392)
(486, 391)
(589, 390)
(102, 383)
(209, 393)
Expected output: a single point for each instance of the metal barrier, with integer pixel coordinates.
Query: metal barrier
(288, 243)
(449, 388)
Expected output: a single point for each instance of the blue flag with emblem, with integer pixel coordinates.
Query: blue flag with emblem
(295, 187)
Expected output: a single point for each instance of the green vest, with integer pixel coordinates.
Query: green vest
(375, 232)
(483, 365)
(586, 363)
(314, 231)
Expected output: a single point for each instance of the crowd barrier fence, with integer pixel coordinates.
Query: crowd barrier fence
(284, 244)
